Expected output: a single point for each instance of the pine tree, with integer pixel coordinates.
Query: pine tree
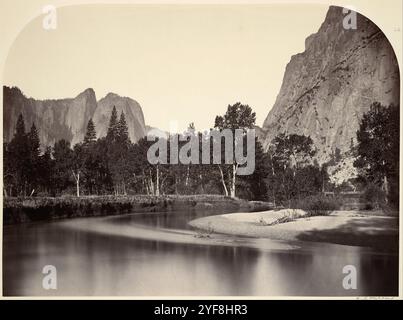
(63, 157)
(89, 158)
(113, 126)
(118, 156)
(122, 129)
(19, 158)
(20, 128)
(34, 143)
(45, 171)
(33, 168)
(91, 134)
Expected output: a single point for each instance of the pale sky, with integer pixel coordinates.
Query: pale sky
(182, 63)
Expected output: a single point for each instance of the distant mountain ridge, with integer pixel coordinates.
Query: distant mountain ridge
(67, 118)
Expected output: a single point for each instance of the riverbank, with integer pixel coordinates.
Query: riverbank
(22, 210)
(354, 228)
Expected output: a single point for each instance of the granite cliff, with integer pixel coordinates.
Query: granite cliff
(327, 88)
(68, 118)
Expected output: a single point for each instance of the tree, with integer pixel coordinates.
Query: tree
(293, 151)
(118, 152)
(78, 165)
(22, 161)
(238, 116)
(90, 158)
(63, 160)
(46, 172)
(378, 148)
(122, 130)
(18, 159)
(91, 134)
(69, 162)
(20, 128)
(144, 172)
(112, 133)
(34, 143)
(34, 158)
(293, 168)
(256, 183)
(100, 163)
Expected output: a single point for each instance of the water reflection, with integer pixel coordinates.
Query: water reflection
(99, 264)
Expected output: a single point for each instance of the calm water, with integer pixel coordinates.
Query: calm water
(124, 256)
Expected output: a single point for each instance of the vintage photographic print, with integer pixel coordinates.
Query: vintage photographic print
(201, 150)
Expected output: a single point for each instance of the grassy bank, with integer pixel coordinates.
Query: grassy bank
(21, 210)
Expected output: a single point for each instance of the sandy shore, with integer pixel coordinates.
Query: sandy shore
(109, 226)
(353, 228)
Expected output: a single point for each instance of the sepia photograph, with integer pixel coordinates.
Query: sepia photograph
(201, 150)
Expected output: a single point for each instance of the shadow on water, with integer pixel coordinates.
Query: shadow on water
(379, 233)
(91, 263)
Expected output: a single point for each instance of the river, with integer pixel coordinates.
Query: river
(158, 254)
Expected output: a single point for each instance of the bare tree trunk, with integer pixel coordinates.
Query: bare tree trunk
(157, 189)
(151, 186)
(386, 188)
(234, 169)
(77, 178)
(187, 176)
(223, 181)
(146, 186)
(201, 183)
(274, 175)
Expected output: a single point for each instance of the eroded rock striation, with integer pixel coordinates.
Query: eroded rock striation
(327, 88)
(68, 118)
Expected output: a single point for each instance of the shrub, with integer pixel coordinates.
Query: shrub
(282, 219)
(317, 205)
(374, 197)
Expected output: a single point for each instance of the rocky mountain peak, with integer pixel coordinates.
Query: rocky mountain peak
(327, 88)
(130, 107)
(68, 118)
(89, 92)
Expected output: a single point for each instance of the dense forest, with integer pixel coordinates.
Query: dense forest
(114, 165)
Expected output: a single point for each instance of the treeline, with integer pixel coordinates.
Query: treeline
(114, 165)
(94, 166)
(377, 155)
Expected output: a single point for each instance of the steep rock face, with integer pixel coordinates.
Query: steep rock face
(55, 119)
(68, 118)
(327, 88)
(132, 110)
